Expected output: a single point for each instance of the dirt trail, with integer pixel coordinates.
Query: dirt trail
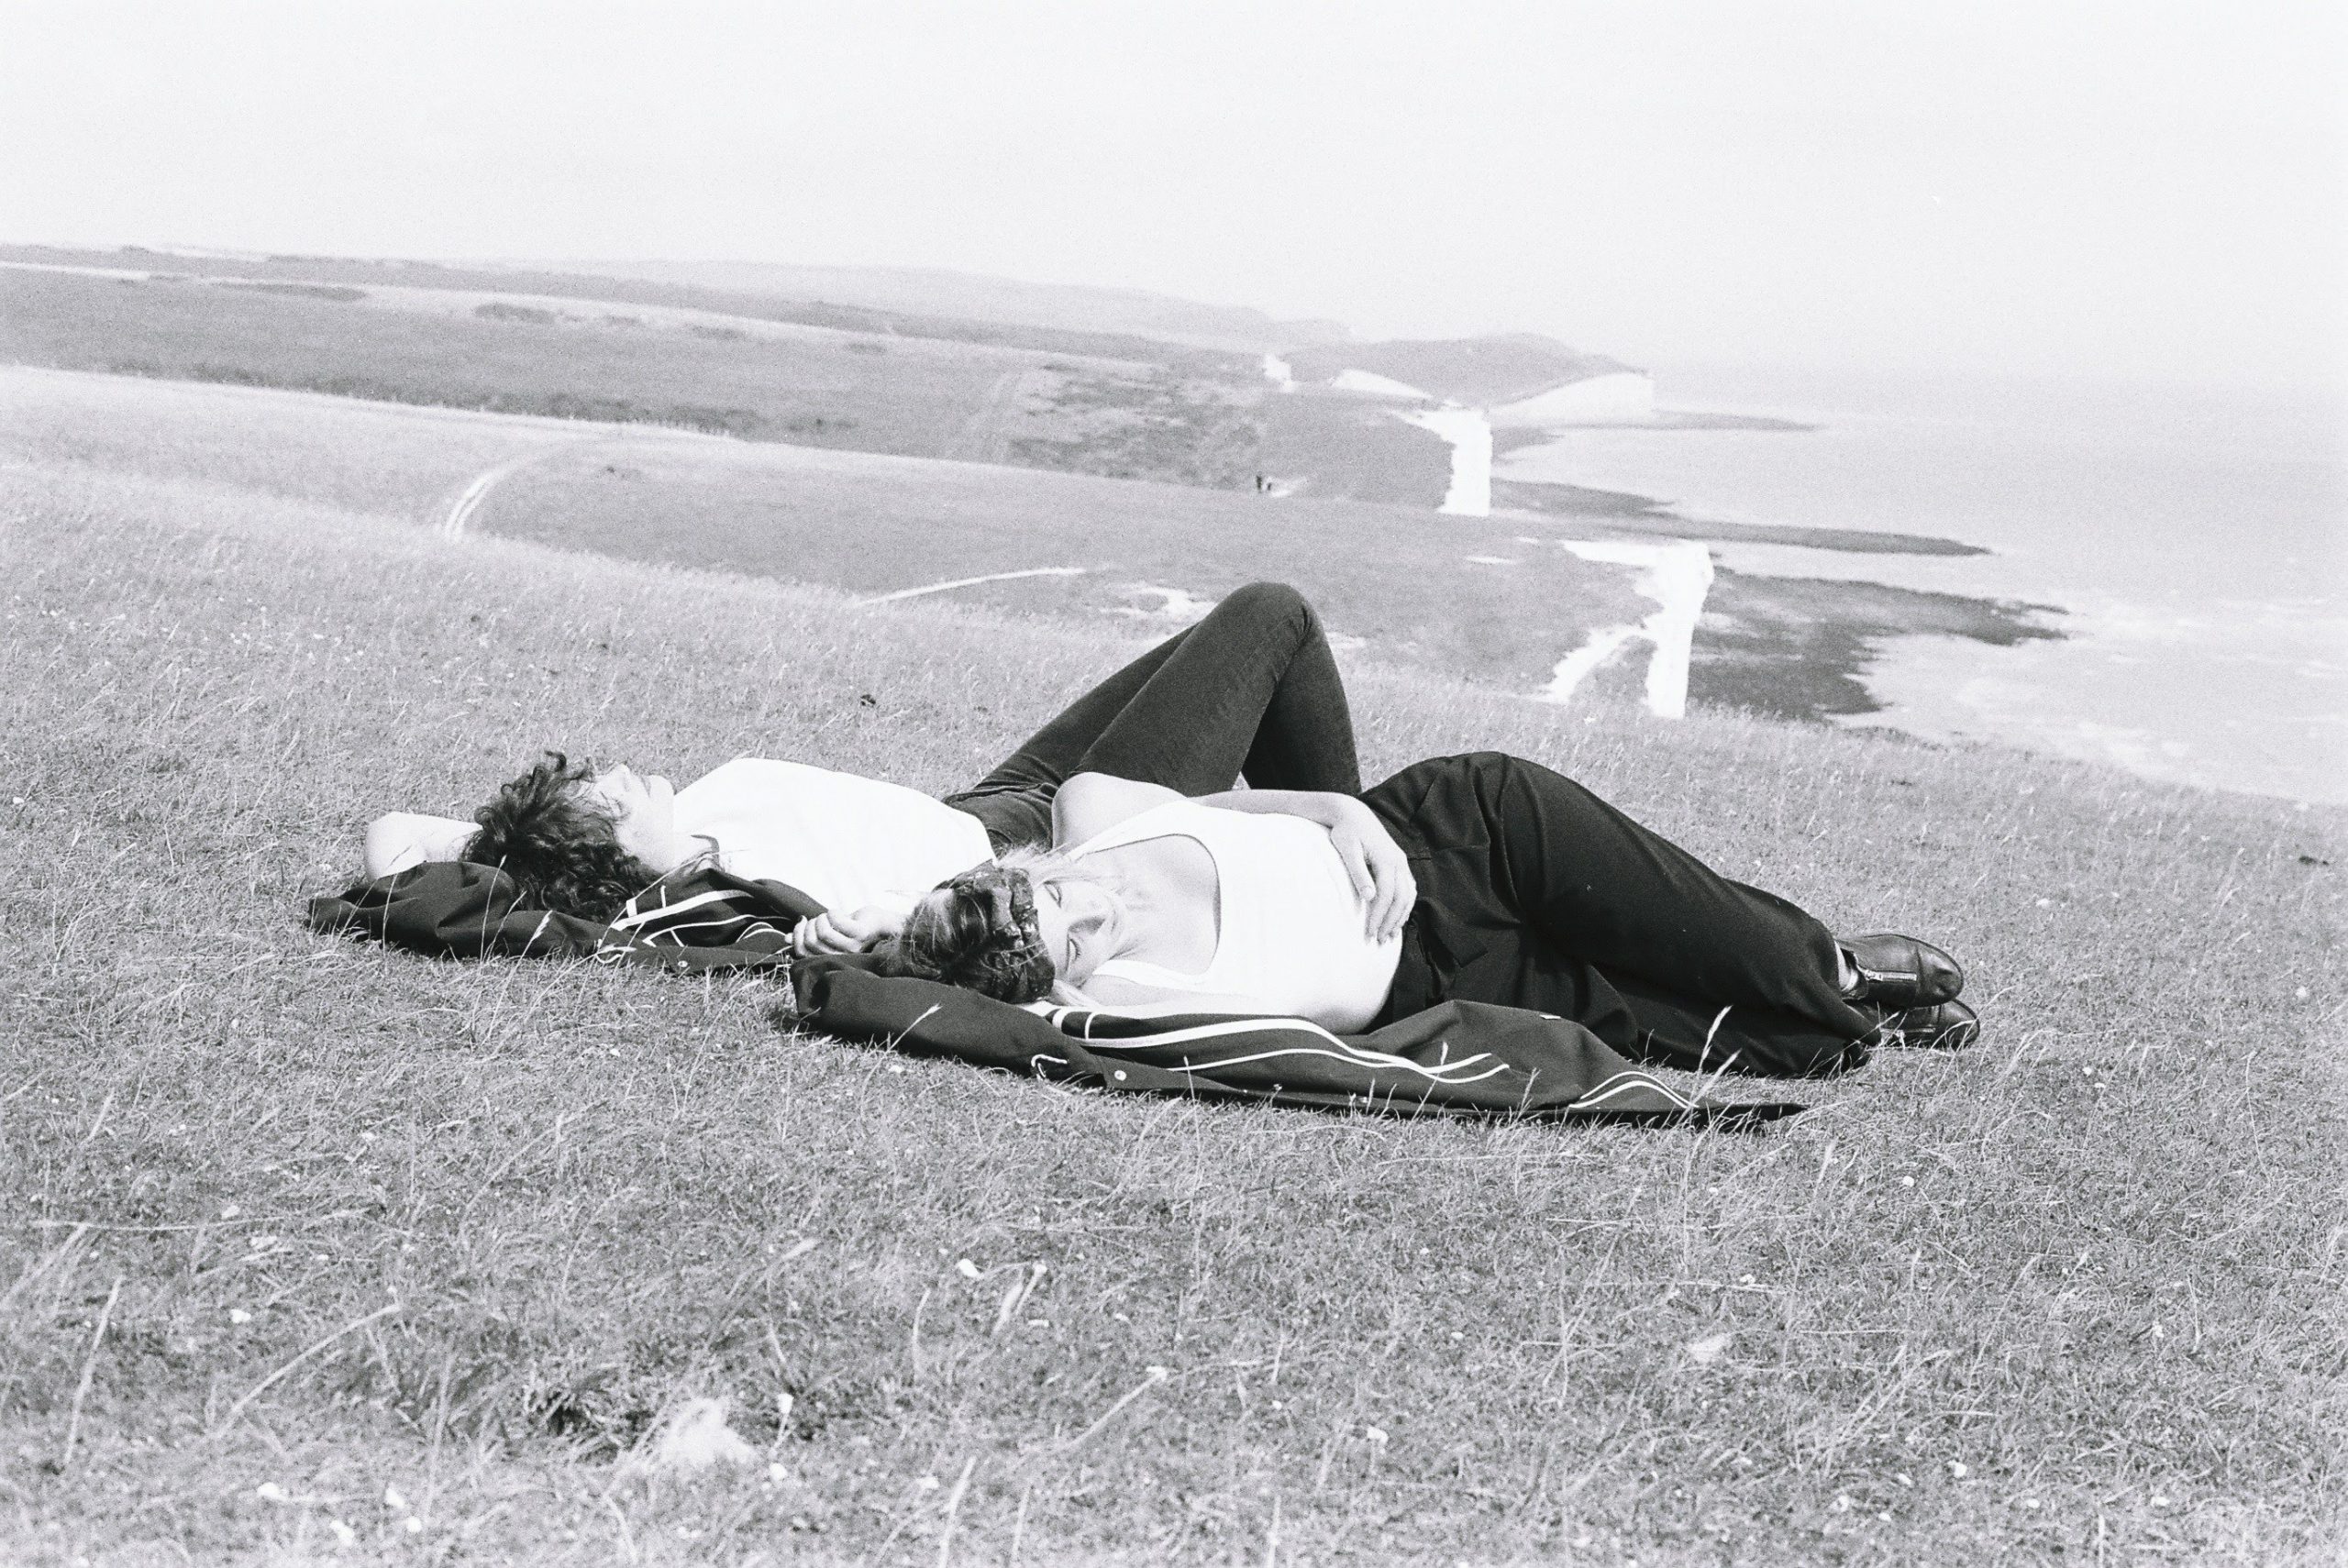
(468, 501)
(986, 435)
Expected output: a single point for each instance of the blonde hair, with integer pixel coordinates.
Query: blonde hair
(1045, 865)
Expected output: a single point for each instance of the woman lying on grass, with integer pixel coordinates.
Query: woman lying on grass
(1531, 892)
(1249, 691)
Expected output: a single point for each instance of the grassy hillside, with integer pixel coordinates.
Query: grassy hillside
(1398, 581)
(815, 388)
(750, 304)
(1492, 600)
(1162, 318)
(450, 342)
(311, 1250)
(779, 372)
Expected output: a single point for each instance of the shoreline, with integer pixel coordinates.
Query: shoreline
(1644, 515)
(2185, 544)
(1790, 646)
(1510, 439)
(1801, 647)
(1793, 647)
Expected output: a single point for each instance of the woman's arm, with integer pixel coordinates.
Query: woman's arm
(1381, 871)
(1091, 804)
(401, 839)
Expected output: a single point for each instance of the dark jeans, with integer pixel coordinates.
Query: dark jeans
(1249, 691)
(1535, 893)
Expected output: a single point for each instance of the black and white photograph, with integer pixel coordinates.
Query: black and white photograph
(908, 783)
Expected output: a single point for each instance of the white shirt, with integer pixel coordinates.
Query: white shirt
(1290, 934)
(845, 840)
(848, 841)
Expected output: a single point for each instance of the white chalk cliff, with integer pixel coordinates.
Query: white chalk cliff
(1618, 397)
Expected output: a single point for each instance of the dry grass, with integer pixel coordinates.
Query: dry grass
(288, 1213)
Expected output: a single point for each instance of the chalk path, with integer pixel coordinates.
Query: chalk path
(972, 582)
(1675, 574)
(1469, 434)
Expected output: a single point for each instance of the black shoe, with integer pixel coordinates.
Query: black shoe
(1944, 1026)
(1899, 972)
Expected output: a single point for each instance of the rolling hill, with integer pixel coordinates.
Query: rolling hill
(314, 1252)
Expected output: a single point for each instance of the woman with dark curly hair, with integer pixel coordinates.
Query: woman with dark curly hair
(1531, 892)
(563, 832)
(1250, 691)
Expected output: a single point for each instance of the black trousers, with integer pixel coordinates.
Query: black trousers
(1250, 691)
(1535, 893)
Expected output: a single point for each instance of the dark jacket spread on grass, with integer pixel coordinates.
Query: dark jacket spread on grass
(1455, 1058)
(454, 908)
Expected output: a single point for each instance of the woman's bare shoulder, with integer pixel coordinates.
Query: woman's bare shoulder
(1090, 804)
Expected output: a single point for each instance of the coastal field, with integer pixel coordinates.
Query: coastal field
(773, 369)
(978, 316)
(1181, 415)
(1494, 599)
(311, 1250)
(1125, 554)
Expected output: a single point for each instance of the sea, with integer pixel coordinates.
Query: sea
(2191, 544)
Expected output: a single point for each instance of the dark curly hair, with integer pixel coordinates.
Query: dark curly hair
(559, 844)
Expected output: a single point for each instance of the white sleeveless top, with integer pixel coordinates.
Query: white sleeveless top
(844, 840)
(1291, 930)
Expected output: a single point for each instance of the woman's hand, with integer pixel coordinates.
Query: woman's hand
(1381, 872)
(856, 933)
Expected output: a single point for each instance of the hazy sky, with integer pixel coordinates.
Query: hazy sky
(2141, 189)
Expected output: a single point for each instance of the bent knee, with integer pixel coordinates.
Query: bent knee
(1499, 772)
(1492, 771)
(1265, 601)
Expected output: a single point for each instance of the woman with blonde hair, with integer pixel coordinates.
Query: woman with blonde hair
(1522, 887)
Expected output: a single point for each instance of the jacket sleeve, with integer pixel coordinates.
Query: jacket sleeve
(455, 908)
